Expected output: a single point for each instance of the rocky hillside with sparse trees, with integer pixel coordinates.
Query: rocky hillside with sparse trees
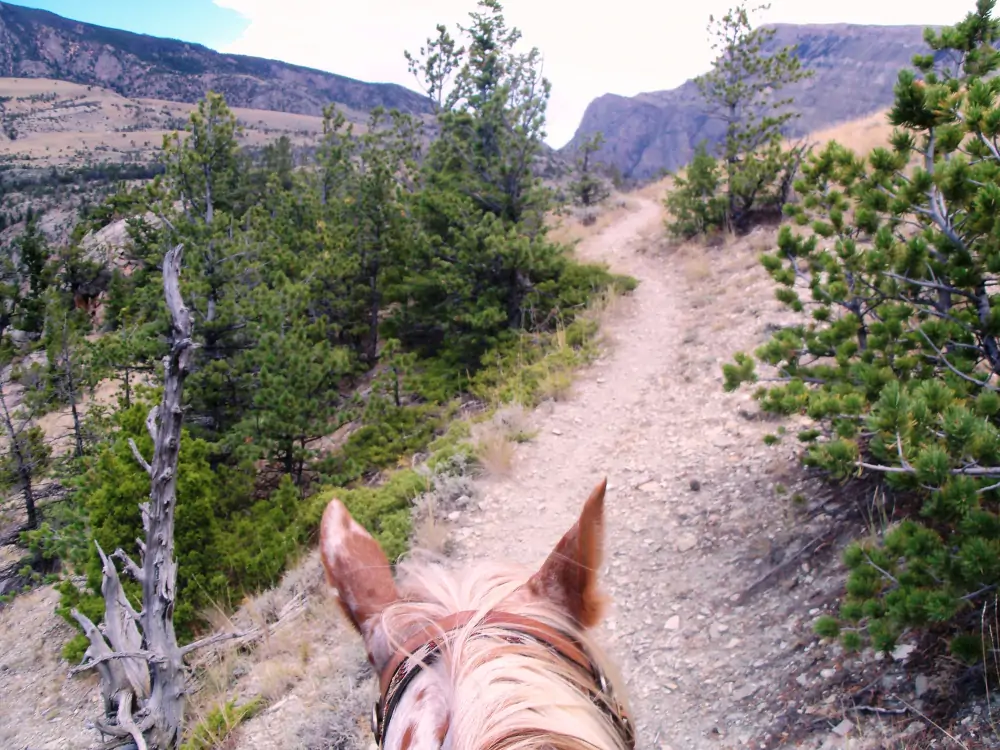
(854, 70)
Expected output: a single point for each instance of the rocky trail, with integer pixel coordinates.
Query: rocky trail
(693, 516)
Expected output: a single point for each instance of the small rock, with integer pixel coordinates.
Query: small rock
(673, 623)
(556, 431)
(686, 542)
(802, 679)
(828, 674)
(649, 487)
(844, 728)
(902, 652)
(695, 485)
(744, 692)
(921, 684)
(454, 515)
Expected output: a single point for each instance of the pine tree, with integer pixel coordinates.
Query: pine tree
(26, 279)
(204, 174)
(296, 396)
(70, 366)
(27, 453)
(897, 363)
(125, 352)
(474, 272)
(694, 203)
(491, 103)
(379, 217)
(741, 91)
(588, 189)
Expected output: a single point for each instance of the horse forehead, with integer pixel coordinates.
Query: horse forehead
(422, 718)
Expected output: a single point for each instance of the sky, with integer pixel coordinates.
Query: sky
(626, 47)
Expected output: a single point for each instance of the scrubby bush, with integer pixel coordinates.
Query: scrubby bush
(895, 256)
(694, 204)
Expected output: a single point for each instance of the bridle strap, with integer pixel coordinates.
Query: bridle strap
(439, 628)
(424, 646)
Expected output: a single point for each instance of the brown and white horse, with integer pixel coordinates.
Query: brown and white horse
(490, 657)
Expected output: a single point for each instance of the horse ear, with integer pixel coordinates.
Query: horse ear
(358, 569)
(568, 577)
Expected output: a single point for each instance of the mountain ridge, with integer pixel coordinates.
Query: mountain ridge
(40, 44)
(855, 69)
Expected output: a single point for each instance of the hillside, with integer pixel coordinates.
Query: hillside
(855, 68)
(38, 44)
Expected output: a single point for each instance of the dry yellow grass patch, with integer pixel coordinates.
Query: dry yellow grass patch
(495, 453)
(860, 135)
(658, 190)
(495, 441)
(62, 123)
(578, 224)
(430, 532)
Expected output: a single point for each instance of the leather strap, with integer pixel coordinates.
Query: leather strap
(440, 628)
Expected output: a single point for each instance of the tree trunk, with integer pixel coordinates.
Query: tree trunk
(148, 702)
(71, 392)
(24, 469)
(374, 305)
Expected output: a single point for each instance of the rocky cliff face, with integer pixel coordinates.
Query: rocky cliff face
(38, 44)
(855, 69)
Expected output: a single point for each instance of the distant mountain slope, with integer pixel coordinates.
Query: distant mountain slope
(39, 44)
(855, 68)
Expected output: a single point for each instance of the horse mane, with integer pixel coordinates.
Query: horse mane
(496, 684)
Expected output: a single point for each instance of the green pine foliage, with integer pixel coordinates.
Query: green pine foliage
(894, 257)
(695, 205)
(588, 189)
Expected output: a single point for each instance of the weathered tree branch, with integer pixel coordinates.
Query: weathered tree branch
(211, 641)
(133, 570)
(126, 722)
(151, 422)
(966, 471)
(147, 656)
(138, 457)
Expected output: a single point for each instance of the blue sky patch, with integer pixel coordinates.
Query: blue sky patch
(200, 21)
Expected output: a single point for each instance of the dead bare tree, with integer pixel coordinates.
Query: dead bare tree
(137, 656)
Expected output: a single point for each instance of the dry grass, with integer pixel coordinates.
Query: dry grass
(495, 452)
(577, 224)
(300, 659)
(658, 190)
(430, 532)
(495, 441)
(75, 124)
(861, 136)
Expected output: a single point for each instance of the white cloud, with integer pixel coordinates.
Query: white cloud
(623, 47)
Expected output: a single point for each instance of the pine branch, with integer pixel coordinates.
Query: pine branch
(213, 640)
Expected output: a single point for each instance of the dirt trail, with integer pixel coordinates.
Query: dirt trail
(690, 503)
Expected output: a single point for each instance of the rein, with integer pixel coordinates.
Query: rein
(423, 648)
